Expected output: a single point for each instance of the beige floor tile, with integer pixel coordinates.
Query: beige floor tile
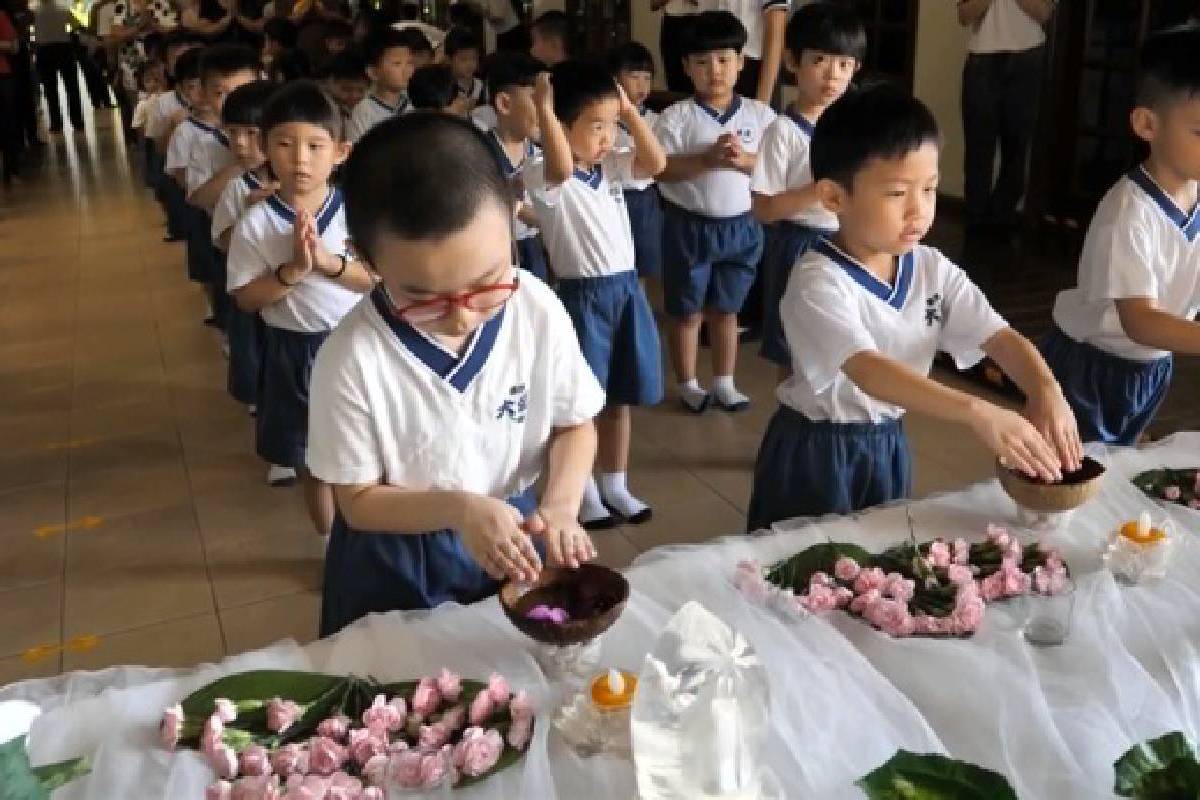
(100, 603)
(252, 512)
(178, 643)
(30, 616)
(24, 510)
(614, 549)
(256, 625)
(126, 488)
(131, 414)
(16, 668)
(262, 567)
(162, 539)
(28, 558)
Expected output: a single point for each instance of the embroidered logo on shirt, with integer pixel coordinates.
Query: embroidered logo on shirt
(933, 310)
(746, 134)
(515, 405)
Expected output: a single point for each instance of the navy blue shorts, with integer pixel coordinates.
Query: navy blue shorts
(245, 331)
(176, 206)
(646, 221)
(201, 252)
(532, 258)
(281, 426)
(377, 572)
(1114, 398)
(618, 336)
(786, 242)
(708, 263)
(809, 469)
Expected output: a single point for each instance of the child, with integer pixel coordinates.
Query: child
(454, 387)
(711, 241)
(510, 86)
(864, 314)
(633, 67)
(167, 122)
(826, 44)
(1139, 273)
(346, 81)
(433, 88)
(152, 84)
(576, 190)
(287, 262)
(550, 37)
(461, 50)
(389, 57)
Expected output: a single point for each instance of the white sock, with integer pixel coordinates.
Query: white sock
(692, 395)
(616, 494)
(727, 394)
(592, 508)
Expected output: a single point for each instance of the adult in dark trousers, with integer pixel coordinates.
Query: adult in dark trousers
(55, 53)
(676, 20)
(1000, 87)
(10, 150)
(25, 83)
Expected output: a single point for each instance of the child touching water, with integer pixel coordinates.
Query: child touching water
(439, 401)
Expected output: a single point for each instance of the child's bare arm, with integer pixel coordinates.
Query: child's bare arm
(1148, 325)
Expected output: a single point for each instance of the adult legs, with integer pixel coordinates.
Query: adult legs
(980, 113)
(48, 73)
(1017, 120)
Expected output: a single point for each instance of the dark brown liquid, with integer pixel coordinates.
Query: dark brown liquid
(1091, 469)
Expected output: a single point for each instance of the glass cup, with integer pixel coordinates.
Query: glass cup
(1048, 622)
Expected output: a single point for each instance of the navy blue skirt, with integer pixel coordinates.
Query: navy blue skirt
(1114, 398)
(646, 222)
(810, 469)
(786, 242)
(245, 331)
(708, 263)
(376, 572)
(532, 258)
(281, 425)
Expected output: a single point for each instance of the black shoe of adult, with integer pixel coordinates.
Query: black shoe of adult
(601, 524)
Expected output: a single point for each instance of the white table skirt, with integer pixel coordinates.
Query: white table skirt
(844, 697)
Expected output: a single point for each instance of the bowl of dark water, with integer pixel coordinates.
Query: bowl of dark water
(1034, 494)
(566, 606)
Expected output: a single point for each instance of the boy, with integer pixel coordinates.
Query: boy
(434, 88)
(510, 86)
(711, 241)
(389, 55)
(864, 314)
(826, 44)
(287, 262)
(576, 190)
(550, 37)
(346, 81)
(176, 107)
(461, 50)
(1139, 274)
(633, 68)
(454, 387)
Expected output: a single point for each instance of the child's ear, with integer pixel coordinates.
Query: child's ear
(503, 103)
(832, 195)
(790, 62)
(741, 63)
(371, 72)
(1144, 123)
(341, 152)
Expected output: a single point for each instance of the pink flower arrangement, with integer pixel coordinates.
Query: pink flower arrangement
(335, 727)
(482, 708)
(255, 761)
(449, 686)
(171, 727)
(426, 698)
(1172, 493)
(478, 751)
(282, 714)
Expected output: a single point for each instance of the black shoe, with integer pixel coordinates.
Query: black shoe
(645, 515)
(172, 238)
(700, 409)
(211, 321)
(732, 408)
(602, 524)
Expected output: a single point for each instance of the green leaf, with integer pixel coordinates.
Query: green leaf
(794, 573)
(20, 781)
(1153, 482)
(1160, 769)
(53, 776)
(912, 776)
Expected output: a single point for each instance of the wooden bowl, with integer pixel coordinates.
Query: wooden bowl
(594, 596)
(1075, 489)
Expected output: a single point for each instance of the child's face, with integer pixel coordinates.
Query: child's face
(218, 87)
(347, 92)
(417, 271)
(714, 74)
(892, 203)
(636, 83)
(394, 70)
(190, 89)
(547, 49)
(154, 81)
(464, 64)
(594, 131)
(517, 112)
(821, 78)
(246, 145)
(1171, 132)
(303, 155)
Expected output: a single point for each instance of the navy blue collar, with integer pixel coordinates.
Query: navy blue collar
(253, 182)
(329, 209)
(459, 371)
(806, 127)
(509, 168)
(400, 104)
(894, 296)
(1188, 224)
(591, 177)
(183, 103)
(734, 105)
(210, 130)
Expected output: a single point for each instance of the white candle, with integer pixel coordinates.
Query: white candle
(727, 738)
(616, 682)
(1143, 527)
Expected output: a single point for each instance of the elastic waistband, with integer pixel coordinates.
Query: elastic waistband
(1115, 361)
(683, 212)
(628, 276)
(826, 427)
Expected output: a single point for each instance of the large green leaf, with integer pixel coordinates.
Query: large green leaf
(794, 572)
(20, 781)
(1154, 481)
(913, 776)
(1160, 769)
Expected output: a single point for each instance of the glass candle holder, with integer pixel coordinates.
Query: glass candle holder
(1048, 623)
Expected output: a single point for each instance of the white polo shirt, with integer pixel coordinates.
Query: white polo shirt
(484, 117)
(210, 154)
(585, 225)
(1006, 28)
(232, 203)
(263, 239)
(834, 308)
(533, 154)
(625, 142)
(783, 164)
(1139, 244)
(166, 105)
(390, 404)
(751, 13)
(475, 91)
(369, 112)
(689, 127)
(183, 139)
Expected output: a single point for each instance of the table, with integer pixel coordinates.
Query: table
(844, 696)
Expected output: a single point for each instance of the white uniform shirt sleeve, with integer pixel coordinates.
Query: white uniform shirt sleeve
(968, 319)
(541, 193)
(1123, 264)
(227, 210)
(342, 445)
(246, 260)
(669, 133)
(178, 148)
(823, 327)
(775, 154)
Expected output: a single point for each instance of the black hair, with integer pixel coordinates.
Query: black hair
(291, 65)
(281, 30)
(179, 38)
(1168, 67)
(503, 71)
(630, 57)
(433, 88)
(245, 104)
(458, 39)
(554, 24)
(714, 30)
(464, 15)
(337, 29)
(222, 60)
(347, 65)
(302, 101)
(880, 121)
(422, 176)
(409, 11)
(383, 39)
(417, 42)
(829, 28)
(578, 84)
(187, 66)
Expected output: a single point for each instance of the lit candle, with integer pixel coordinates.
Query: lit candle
(1144, 525)
(616, 683)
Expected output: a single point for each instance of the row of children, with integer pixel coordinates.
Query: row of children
(438, 401)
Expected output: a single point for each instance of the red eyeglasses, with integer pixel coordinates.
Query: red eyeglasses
(483, 298)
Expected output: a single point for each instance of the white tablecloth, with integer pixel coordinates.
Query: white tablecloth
(844, 697)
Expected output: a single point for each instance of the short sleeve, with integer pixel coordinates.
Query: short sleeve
(225, 212)
(822, 327)
(618, 166)
(775, 5)
(968, 319)
(1124, 257)
(578, 396)
(343, 448)
(246, 260)
(669, 132)
(177, 154)
(198, 167)
(774, 155)
(540, 193)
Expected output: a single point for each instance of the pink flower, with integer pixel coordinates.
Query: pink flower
(171, 727)
(255, 761)
(455, 717)
(862, 601)
(373, 793)
(1014, 581)
(899, 588)
(868, 579)
(890, 616)
(221, 790)
(819, 578)
(334, 728)
(962, 551)
(434, 736)
(498, 688)
(290, 760)
(482, 708)
(819, 598)
(520, 732)
(210, 737)
(365, 743)
(1172, 493)
(992, 587)
(282, 714)
(939, 554)
(925, 625)
(998, 534)
(449, 685)
(374, 771)
(968, 612)
(259, 787)
(307, 787)
(225, 709)
(383, 714)
(404, 768)
(521, 706)
(846, 569)
(325, 756)
(843, 596)
(426, 698)
(224, 761)
(344, 787)
(478, 752)
(433, 768)
(959, 574)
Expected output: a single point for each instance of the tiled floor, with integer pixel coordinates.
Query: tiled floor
(135, 526)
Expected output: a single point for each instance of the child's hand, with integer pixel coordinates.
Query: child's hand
(567, 544)
(258, 195)
(1014, 439)
(543, 91)
(491, 532)
(734, 155)
(714, 156)
(1052, 416)
(628, 109)
(302, 251)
